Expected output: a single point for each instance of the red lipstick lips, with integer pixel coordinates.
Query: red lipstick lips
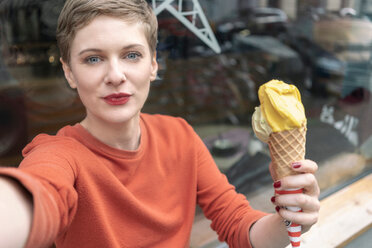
(117, 99)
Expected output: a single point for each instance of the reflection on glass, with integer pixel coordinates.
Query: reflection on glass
(322, 47)
(34, 97)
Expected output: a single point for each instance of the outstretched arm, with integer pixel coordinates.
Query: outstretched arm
(15, 213)
(270, 230)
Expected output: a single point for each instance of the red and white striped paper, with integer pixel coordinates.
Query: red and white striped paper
(294, 230)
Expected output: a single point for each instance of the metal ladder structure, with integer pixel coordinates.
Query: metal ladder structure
(175, 7)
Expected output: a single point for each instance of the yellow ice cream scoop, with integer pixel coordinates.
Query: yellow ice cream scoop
(281, 105)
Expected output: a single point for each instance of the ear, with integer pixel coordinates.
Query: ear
(154, 68)
(68, 74)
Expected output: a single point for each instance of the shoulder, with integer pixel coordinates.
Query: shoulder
(53, 144)
(46, 153)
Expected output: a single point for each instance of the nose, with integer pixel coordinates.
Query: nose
(115, 73)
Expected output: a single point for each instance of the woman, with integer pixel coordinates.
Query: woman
(120, 178)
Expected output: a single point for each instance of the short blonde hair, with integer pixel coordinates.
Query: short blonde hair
(76, 14)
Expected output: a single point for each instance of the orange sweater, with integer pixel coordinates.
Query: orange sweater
(87, 194)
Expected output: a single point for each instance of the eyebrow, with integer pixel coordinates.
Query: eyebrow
(124, 48)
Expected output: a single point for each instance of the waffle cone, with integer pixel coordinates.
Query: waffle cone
(286, 147)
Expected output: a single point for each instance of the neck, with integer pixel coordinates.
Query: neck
(124, 136)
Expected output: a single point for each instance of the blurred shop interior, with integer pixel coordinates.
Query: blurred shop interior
(213, 55)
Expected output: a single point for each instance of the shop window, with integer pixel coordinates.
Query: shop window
(211, 63)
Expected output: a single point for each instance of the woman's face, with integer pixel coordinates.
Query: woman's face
(111, 67)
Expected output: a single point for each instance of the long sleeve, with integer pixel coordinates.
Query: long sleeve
(49, 177)
(229, 211)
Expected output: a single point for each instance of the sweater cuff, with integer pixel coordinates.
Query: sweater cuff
(43, 232)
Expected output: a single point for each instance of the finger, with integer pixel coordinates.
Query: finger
(305, 202)
(306, 181)
(302, 218)
(305, 166)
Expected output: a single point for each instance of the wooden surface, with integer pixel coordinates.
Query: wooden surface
(344, 216)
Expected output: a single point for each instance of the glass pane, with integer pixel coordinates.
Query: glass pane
(34, 96)
(213, 55)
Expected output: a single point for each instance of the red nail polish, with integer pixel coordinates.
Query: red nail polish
(296, 165)
(277, 208)
(277, 184)
(272, 199)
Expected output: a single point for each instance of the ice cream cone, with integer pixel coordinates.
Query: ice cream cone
(287, 147)
(280, 121)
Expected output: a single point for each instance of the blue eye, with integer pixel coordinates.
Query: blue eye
(133, 56)
(93, 60)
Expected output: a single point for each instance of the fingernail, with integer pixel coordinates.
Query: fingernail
(272, 199)
(277, 184)
(277, 208)
(296, 165)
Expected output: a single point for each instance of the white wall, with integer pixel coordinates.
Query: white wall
(290, 8)
(333, 5)
(262, 3)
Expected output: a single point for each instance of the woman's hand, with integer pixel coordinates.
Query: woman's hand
(308, 201)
